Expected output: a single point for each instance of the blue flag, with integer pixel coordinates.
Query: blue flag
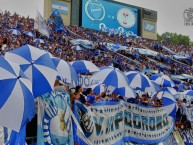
(58, 22)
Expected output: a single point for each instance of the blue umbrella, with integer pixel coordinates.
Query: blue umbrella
(37, 66)
(138, 80)
(104, 67)
(168, 101)
(84, 66)
(111, 77)
(39, 41)
(65, 70)
(16, 98)
(77, 47)
(126, 92)
(29, 33)
(162, 80)
(170, 90)
(98, 88)
(188, 93)
(14, 31)
(154, 87)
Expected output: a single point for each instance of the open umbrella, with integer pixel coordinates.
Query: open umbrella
(162, 80)
(29, 33)
(14, 31)
(154, 87)
(188, 93)
(126, 92)
(65, 70)
(138, 80)
(16, 98)
(39, 41)
(171, 90)
(37, 66)
(98, 88)
(111, 77)
(84, 66)
(168, 101)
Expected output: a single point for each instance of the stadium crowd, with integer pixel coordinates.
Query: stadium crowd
(59, 45)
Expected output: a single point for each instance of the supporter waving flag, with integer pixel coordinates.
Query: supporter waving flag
(40, 25)
(57, 20)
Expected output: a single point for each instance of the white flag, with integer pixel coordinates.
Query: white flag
(40, 25)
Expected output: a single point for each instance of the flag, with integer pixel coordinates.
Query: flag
(40, 25)
(58, 22)
(54, 119)
(62, 7)
(168, 36)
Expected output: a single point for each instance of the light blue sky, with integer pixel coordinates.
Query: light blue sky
(170, 12)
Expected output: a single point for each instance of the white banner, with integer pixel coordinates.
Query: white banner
(117, 123)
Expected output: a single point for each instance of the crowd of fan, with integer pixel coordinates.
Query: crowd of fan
(59, 45)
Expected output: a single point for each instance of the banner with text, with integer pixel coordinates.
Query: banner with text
(83, 81)
(118, 122)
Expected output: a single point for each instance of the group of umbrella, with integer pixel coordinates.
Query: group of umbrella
(28, 72)
(28, 33)
(37, 40)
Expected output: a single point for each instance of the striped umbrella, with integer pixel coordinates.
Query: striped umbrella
(126, 92)
(188, 93)
(16, 98)
(98, 88)
(84, 66)
(37, 66)
(138, 80)
(77, 47)
(29, 33)
(14, 31)
(170, 90)
(111, 77)
(39, 41)
(104, 67)
(65, 71)
(168, 102)
(162, 80)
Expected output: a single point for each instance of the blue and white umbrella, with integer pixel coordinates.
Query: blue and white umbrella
(126, 92)
(168, 101)
(14, 31)
(37, 66)
(77, 47)
(111, 77)
(29, 33)
(162, 80)
(154, 87)
(138, 81)
(65, 71)
(188, 93)
(84, 66)
(104, 67)
(39, 41)
(98, 88)
(16, 98)
(171, 90)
